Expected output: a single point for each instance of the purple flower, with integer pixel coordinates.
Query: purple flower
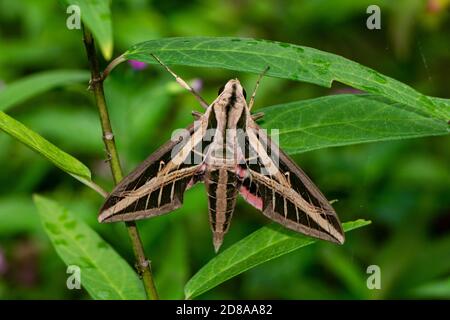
(137, 65)
(197, 84)
(3, 264)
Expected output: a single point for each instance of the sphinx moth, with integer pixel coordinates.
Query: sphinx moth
(227, 151)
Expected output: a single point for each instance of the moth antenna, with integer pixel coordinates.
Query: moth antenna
(183, 83)
(161, 165)
(127, 193)
(252, 99)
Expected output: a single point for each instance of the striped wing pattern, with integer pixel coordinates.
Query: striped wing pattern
(288, 196)
(150, 190)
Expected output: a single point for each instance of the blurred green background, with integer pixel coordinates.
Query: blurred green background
(402, 186)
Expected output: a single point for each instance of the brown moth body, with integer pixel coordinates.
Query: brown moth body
(227, 151)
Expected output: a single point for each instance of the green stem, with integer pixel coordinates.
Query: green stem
(96, 85)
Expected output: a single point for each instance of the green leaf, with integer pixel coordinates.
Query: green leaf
(104, 274)
(27, 87)
(33, 140)
(346, 119)
(286, 61)
(262, 245)
(97, 17)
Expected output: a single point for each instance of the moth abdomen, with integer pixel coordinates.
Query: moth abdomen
(221, 185)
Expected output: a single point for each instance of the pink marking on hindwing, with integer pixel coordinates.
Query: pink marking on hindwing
(198, 174)
(241, 172)
(254, 200)
(190, 184)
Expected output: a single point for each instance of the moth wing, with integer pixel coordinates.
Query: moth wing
(274, 184)
(157, 185)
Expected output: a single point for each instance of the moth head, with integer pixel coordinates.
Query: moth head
(235, 86)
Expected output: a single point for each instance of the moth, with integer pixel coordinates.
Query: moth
(227, 151)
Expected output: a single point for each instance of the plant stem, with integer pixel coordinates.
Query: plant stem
(96, 85)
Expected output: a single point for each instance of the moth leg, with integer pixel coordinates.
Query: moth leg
(257, 116)
(288, 177)
(252, 99)
(183, 83)
(197, 115)
(252, 160)
(198, 153)
(161, 165)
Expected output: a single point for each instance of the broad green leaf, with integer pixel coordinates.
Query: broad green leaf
(262, 245)
(285, 61)
(27, 87)
(58, 157)
(104, 273)
(346, 119)
(96, 14)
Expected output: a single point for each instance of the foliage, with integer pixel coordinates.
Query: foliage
(400, 185)
(263, 245)
(105, 275)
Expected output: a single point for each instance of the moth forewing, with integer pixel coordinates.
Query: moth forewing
(231, 155)
(138, 194)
